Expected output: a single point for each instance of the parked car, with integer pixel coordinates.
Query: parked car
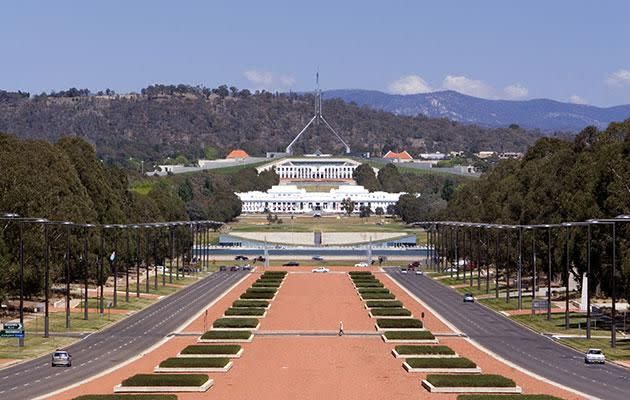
(317, 215)
(361, 264)
(260, 258)
(223, 268)
(237, 258)
(403, 270)
(469, 298)
(291, 264)
(318, 258)
(320, 269)
(594, 356)
(61, 358)
(451, 269)
(234, 268)
(247, 267)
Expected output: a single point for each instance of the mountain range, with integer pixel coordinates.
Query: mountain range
(544, 114)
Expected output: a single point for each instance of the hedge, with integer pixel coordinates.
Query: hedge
(409, 323)
(416, 350)
(459, 362)
(257, 296)
(364, 279)
(276, 274)
(367, 284)
(227, 335)
(127, 397)
(470, 381)
(235, 323)
(209, 362)
(384, 304)
(409, 335)
(211, 349)
(166, 380)
(273, 284)
(379, 296)
(357, 273)
(250, 303)
(507, 397)
(262, 290)
(390, 312)
(373, 290)
(245, 311)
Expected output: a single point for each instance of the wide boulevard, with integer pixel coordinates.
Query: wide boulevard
(110, 347)
(513, 342)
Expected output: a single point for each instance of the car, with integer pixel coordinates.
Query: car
(361, 264)
(469, 298)
(260, 258)
(320, 269)
(246, 267)
(450, 269)
(237, 258)
(318, 258)
(403, 270)
(234, 268)
(419, 272)
(223, 268)
(291, 264)
(61, 358)
(317, 215)
(594, 356)
(413, 265)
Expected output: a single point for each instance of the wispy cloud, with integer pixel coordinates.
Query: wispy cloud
(619, 78)
(268, 80)
(516, 91)
(410, 84)
(471, 87)
(575, 99)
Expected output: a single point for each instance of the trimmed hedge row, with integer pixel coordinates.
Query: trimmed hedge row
(261, 290)
(275, 274)
(166, 380)
(409, 335)
(257, 296)
(384, 304)
(211, 349)
(470, 381)
(507, 397)
(390, 312)
(227, 335)
(459, 362)
(377, 296)
(235, 323)
(250, 303)
(245, 311)
(126, 397)
(209, 362)
(422, 349)
(368, 284)
(360, 273)
(270, 284)
(373, 290)
(410, 323)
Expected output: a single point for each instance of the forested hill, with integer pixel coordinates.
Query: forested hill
(164, 121)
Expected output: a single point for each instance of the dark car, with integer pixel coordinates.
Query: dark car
(237, 258)
(234, 268)
(291, 264)
(260, 258)
(223, 268)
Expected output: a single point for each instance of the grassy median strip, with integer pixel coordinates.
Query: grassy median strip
(377, 296)
(211, 349)
(507, 397)
(235, 323)
(209, 362)
(384, 304)
(257, 296)
(409, 335)
(402, 323)
(470, 381)
(424, 350)
(251, 303)
(245, 311)
(226, 335)
(459, 362)
(390, 312)
(127, 397)
(166, 380)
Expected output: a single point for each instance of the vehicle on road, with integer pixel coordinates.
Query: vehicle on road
(234, 268)
(223, 268)
(291, 264)
(469, 298)
(320, 270)
(594, 356)
(361, 264)
(246, 267)
(404, 270)
(61, 358)
(451, 269)
(260, 258)
(419, 272)
(238, 258)
(414, 265)
(318, 258)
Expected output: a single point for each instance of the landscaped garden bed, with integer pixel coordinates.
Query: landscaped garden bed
(222, 336)
(404, 351)
(275, 274)
(507, 397)
(470, 384)
(236, 323)
(262, 290)
(389, 312)
(367, 284)
(127, 397)
(267, 284)
(398, 323)
(441, 365)
(378, 296)
(251, 303)
(206, 364)
(165, 383)
(383, 304)
(409, 337)
(360, 273)
(210, 350)
(245, 311)
(258, 296)
(363, 291)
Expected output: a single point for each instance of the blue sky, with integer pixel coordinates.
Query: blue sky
(565, 50)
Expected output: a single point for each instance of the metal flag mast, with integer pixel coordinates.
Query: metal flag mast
(316, 118)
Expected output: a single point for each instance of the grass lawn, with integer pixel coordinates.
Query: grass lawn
(134, 303)
(621, 352)
(501, 305)
(325, 224)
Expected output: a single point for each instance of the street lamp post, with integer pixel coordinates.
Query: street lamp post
(148, 255)
(519, 271)
(138, 233)
(86, 261)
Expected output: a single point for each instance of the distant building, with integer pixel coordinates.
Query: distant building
(510, 155)
(486, 154)
(398, 157)
(171, 168)
(456, 153)
(313, 169)
(433, 156)
(237, 154)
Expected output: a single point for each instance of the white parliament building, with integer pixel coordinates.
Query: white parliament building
(315, 168)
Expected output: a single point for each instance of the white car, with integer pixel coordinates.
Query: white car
(320, 269)
(594, 356)
(419, 272)
(403, 270)
(361, 264)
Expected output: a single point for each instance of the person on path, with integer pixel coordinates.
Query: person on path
(340, 328)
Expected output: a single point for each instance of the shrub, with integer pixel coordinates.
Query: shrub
(507, 397)
(127, 397)
(274, 274)
(257, 296)
(384, 304)
(416, 350)
(272, 284)
(379, 296)
(211, 349)
(209, 362)
(262, 290)
(245, 311)
(364, 279)
(367, 284)
(409, 335)
(360, 273)
(373, 290)
(250, 303)
(227, 335)
(459, 362)
(235, 323)
(390, 312)
(166, 380)
(470, 381)
(403, 323)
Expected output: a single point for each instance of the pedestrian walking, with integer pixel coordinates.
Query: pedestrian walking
(340, 328)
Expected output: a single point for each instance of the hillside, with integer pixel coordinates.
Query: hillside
(172, 120)
(546, 115)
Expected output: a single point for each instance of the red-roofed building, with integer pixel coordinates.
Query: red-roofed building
(398, 157)
(237, 154)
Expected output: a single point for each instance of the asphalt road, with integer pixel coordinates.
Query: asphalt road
(513, 342)
(109, 347)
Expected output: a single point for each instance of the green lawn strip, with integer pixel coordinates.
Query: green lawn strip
(507, 397)
(211, 349)
(368, 284)
(257, 296)
(226, 335)
(403, 323)
(235, 323)
(166, 380)
(409, 335)
(261, 290)
(34, 346)
(377, 296)
(245, 311)
(127, 397)
(135, 303)
(621, 352)
(390, 312)
(373, 290)
(539, 322)
(501, 305)
(384, 304)
(459, 362)
(470, 381)
(250, 303)
(208, 362)
(420, 349)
